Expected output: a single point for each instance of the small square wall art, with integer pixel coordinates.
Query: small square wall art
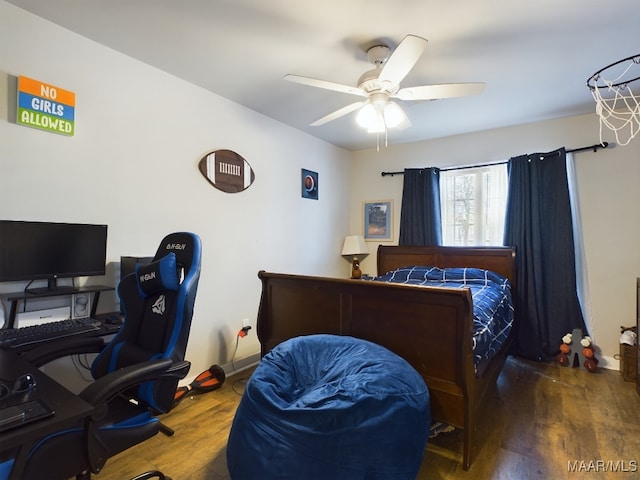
(309, 182)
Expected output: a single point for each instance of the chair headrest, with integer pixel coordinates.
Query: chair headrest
(186, 247)
(158, 275)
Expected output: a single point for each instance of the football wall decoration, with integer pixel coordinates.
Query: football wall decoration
(227, 171)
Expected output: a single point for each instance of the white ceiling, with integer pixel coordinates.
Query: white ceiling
(534, 55)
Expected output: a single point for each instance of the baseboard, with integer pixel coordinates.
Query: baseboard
(230, 369)
(610, 363)
(241, 364)
(237, 366)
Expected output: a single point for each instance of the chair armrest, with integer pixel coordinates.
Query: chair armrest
(119, 381)
(179, 369)
(100, 392)
(62, 348)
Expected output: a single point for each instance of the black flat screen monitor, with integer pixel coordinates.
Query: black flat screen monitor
(46, 250)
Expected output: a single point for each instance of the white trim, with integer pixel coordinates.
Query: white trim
(610, 363)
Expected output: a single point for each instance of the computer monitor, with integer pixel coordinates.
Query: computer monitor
(48, 251)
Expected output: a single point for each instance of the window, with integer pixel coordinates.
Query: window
(473, 205)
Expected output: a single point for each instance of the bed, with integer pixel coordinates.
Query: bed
(431, 327)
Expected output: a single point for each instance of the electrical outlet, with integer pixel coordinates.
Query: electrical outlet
(246, 322)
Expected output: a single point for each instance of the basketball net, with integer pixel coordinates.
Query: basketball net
(617, 105)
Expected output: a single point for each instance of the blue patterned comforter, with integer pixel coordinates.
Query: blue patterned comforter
(492, 305)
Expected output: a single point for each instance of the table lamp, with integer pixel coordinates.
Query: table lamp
(354, 249)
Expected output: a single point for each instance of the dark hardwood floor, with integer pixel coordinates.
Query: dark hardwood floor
(540, 421)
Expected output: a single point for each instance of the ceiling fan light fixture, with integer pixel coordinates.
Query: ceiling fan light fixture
(377, 126)
(394, 116)
(371, 117)
(378, 116)
(367, 115)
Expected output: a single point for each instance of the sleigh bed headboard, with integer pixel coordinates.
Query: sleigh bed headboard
(497, 259)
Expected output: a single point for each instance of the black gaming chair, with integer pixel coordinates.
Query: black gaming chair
(144, 362)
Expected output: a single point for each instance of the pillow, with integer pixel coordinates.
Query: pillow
(159, 275)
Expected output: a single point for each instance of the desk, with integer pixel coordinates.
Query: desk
(14, 297)
(70, 410)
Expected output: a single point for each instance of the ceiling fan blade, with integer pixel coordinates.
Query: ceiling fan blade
(433, 92)
(338, 113)
(402, 60)
(314, 82)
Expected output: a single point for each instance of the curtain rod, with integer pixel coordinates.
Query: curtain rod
(594, 147)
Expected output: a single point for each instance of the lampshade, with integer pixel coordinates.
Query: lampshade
(394, 116)
(368, 117)
(354, 246)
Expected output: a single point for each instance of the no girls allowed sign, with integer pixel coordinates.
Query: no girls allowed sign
(45, 106)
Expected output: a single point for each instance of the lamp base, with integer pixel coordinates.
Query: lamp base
(356, 273)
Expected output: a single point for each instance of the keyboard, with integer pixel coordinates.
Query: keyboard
(18, 337)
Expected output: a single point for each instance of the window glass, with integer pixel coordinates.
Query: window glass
(473, 205)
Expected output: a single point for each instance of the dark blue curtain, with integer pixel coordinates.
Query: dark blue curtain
(420, 215)
(538, 223)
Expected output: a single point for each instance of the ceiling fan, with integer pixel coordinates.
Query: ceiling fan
(380, 86)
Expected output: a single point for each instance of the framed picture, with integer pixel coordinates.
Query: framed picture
(378, 220)
(309, 184)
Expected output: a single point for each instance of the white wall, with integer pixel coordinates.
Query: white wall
(132, 164)
(608, 202)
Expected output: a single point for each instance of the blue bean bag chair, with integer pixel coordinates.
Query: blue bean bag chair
(330, 407)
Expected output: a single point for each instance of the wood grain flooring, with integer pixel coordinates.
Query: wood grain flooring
(540, 421)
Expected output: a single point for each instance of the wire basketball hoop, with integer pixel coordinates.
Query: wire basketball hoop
(618, 107)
